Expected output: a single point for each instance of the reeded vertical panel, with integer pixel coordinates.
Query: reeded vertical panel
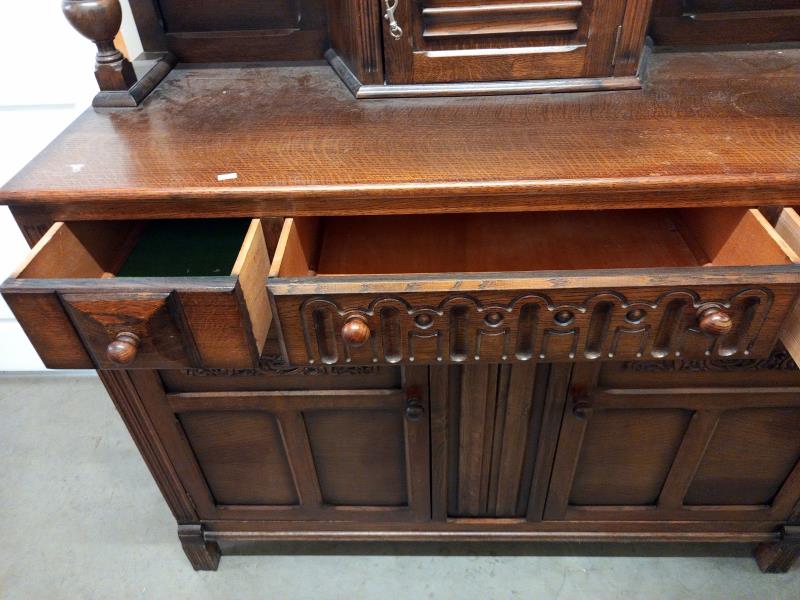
(495, 415)
(354, 28)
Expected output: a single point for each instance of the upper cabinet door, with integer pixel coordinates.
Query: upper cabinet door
(690, 22)
(446, 41)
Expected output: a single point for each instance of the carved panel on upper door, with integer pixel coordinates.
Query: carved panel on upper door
(464, 40)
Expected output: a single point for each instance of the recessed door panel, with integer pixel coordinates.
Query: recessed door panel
(359, 456)
(750, 456)
(626, 456)
(242, 457)
(676, 453)
(335, 455)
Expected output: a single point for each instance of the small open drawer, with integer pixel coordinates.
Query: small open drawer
(788, 228)
(567, 286)
(156, 294)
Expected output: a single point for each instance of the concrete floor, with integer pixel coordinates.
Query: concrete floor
(80, 517)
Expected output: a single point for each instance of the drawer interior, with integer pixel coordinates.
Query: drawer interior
(146, 294)
(170, 248)
(571, 240)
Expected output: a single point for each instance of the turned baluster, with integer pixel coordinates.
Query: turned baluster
(100, 20)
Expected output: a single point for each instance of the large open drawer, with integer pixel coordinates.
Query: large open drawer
(567, 286)
(145, 295)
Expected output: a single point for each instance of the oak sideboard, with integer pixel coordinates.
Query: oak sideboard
(437, 269)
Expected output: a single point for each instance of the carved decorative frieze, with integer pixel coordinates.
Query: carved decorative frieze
(780, 360)
(565, 326)
(275, 365)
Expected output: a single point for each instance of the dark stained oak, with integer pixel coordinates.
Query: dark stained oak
(529, 366)
(120, 83)
(455, 48)
(329, 454)
(678, 452)
(701, 22)
(203, 555)
(300, 144)
(100, 21)
(123, 349)
(245, 30)
(355, 332)
(779, 557)
(714, 321)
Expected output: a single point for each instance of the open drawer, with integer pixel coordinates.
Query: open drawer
(156, 294)
(788, 228)
(567, 286)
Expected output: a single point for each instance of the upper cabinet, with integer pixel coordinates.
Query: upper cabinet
(237, 30)
(449, 47)
(678, 22)
(459, 40)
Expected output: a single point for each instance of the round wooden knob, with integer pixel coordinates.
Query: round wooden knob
(355, 331)
(98, 20)
(414, 409)
(714, 321)
(582, 407)
(123, 349)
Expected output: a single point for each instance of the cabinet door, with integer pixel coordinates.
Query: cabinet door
(331, 455)
(725, 21)
(693, 453)
(495, 40)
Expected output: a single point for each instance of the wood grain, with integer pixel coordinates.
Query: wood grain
(704, 22)
(675, 453)
(301, 144)
(250, 268)
(448, 42)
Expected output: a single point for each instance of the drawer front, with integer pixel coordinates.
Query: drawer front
(79, 314)
(141, 323)
(541, 321)
(579, 286)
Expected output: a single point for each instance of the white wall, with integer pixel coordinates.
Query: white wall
(48, 80)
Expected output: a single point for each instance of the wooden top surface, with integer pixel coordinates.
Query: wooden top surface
(708, 128)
